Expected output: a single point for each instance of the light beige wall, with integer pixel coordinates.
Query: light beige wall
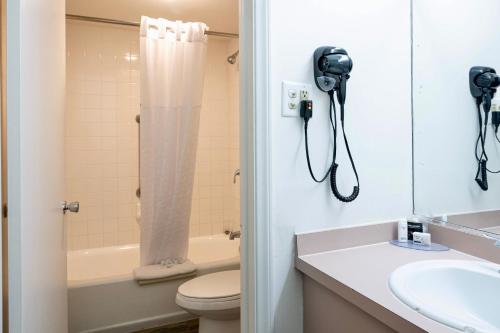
(207, 11)
(102, 140)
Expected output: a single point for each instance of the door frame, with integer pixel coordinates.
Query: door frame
(4, 305)
(4, 320)
(254, 156)
(14, 274)
(12, 237)
(256, 167)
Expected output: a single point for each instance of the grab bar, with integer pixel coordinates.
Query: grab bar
(138, 121)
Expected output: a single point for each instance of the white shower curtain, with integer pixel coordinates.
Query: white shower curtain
(172, 72)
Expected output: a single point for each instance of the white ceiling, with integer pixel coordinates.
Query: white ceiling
(219, 15)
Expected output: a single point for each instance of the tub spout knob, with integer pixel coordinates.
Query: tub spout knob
(73, 207)
(234, 234)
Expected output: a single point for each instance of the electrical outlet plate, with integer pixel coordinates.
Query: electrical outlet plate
(291, 93)
(495, 107)
(495, 104)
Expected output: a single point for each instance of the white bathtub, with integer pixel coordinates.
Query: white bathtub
(103, 296)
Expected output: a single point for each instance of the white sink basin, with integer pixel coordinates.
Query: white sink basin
(464, 295)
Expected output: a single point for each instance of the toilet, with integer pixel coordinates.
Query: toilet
(215, 298)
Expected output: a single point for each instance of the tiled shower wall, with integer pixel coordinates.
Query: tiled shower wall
(101, 152)
(216, 198)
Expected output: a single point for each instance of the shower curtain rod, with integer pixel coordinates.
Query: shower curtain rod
(137, 24)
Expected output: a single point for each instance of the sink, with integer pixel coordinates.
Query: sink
(464, 295)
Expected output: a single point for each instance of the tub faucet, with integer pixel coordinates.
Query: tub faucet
(234, 234)
(236, 174)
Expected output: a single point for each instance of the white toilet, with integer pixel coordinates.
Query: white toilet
(215, 298)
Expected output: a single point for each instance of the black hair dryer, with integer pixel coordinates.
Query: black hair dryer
(483, 83)
(332, 66)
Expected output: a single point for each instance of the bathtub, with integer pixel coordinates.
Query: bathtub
(103, 296)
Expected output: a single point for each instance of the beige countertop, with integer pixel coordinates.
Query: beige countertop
(361, 275)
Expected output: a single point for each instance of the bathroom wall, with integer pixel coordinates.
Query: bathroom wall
(378, 123)
(101, 154)
(219, 15)
(216, 198)
(101, 134)
(233, 221)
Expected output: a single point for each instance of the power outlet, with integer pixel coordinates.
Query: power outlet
(495, 104)
(291, 95)
(495, 107)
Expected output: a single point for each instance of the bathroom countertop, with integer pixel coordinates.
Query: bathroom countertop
(495, 230)
(361, 276)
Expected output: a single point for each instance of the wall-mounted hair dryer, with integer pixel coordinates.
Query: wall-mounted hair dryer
(483, 83)
(331, 66)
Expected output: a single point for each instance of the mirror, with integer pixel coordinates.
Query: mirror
(450, 37)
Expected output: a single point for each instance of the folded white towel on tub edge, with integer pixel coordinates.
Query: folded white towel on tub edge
(168, 269)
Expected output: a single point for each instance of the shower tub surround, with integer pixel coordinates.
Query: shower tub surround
(101, 139)
(104, 297)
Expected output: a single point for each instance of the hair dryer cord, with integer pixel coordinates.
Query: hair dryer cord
(307, 152)
(333, 171)
(481, 138)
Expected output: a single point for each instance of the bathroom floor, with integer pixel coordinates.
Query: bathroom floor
(190, 326)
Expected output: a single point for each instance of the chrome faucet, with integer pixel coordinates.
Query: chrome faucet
(73, 207)
(236, 174)
(234, 234)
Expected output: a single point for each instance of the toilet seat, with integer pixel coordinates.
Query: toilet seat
(216, 285)
(215, 295)
(200, 305)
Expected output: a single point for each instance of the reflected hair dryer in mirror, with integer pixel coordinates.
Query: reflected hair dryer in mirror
(483, 83)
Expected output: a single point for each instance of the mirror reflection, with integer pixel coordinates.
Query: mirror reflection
(456, 111)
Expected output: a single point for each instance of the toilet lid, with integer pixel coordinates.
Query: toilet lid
(215, 285)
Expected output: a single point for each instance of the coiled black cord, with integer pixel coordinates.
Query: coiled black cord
(332, 170)
(482, 159)
(481, 174)
(486, 159)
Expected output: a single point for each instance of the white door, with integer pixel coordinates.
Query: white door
(35, 119)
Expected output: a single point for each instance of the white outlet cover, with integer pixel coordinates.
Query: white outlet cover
(495, 107)
(288, 90)
(495, 104)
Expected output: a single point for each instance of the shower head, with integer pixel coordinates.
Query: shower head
(232, 58)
